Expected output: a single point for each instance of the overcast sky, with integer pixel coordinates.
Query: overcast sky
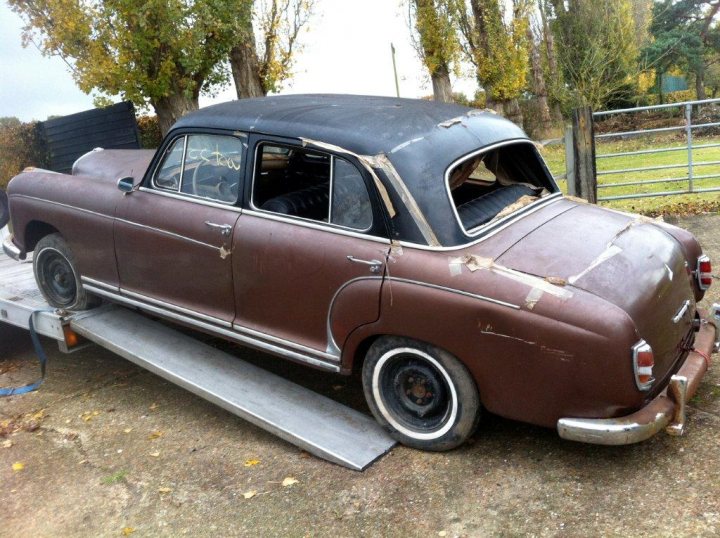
(347, 50)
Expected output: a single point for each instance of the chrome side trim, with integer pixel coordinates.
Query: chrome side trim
(681, 312)
(287, 343)
(458, 292)
(171, 234)
(99, 284)
(75, 208)
(214, 329)
(480, 229)
(180, 309)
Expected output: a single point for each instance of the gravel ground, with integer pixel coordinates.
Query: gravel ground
(107, 449)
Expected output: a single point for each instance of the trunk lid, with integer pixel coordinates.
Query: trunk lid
(627, 261)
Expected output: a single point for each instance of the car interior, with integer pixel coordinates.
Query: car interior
(298, 183)
(496, 183)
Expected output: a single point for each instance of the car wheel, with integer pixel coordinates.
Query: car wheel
(422, 395)
(57, 277)
(4, 209)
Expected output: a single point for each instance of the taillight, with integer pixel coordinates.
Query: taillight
(703, 272)
(643, 362)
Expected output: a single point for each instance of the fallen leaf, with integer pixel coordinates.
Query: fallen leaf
(127, 531)
(154, 406)
(156, 435)
(87, 416)
(289, 481)
(442, 533)
(155, 454)
(7, 444)
(164, 490)
(250, 494)
(250, 463)
(127, 430)
(17, 466)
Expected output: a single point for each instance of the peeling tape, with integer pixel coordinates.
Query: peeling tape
(609, 252)
(533, 297)
(449, 123)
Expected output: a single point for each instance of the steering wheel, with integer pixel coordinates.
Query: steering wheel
(195, 176)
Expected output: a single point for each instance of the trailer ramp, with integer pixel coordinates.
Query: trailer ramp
(302, 417)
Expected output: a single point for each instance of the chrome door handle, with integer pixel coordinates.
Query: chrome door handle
(375, 265)
(225, 229)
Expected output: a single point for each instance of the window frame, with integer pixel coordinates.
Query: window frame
(162, 153)
(259, 144)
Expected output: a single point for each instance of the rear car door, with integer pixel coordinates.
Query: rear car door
(173, 235)
(311, 237)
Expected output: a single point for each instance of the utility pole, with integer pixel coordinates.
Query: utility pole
(397, 85)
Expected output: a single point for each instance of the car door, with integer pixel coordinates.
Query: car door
(173, 235)
(311, 232)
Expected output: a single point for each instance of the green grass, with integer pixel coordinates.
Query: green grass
(114, 478)
(555, 157)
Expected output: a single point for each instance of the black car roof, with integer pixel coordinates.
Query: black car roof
(366, 125)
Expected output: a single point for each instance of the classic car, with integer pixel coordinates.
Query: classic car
(426, 244)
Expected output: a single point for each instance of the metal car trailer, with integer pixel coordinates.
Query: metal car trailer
(317, 424)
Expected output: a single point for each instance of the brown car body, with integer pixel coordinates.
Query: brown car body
(542, 305)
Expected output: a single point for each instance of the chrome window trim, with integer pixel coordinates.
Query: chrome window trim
(511, 219)
(307, 223)
(190, 198)
(333, 366)
(323, 225)
(478, 230)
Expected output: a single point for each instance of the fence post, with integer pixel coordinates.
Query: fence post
(569, 161)
(584, 174)
(688, 133)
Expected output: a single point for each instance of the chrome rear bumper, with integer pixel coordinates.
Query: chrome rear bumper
(666, 411)
(11, 250)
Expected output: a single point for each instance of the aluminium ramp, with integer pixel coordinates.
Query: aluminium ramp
(302, 417)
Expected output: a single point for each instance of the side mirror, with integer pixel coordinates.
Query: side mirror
(126, 184)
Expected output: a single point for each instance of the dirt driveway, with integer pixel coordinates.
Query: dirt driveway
(107, 449)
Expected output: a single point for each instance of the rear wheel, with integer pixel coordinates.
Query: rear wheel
(57, 277)
(421, 394)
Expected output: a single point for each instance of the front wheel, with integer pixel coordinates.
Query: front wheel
(422, 395)
(57, 277)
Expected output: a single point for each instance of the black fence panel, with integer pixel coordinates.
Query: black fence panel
(69, 137)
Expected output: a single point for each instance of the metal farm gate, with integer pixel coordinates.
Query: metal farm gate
(597, 171)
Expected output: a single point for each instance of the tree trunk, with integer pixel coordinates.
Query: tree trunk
(700, 84)
(513, 112)
(172, 108)
(544, 121)
(442, 89)
(246, 70)
(552, 62)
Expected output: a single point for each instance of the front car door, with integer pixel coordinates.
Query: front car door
(173, 235)
(312, 234)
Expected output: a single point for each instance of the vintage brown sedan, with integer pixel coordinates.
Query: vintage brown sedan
(425, 243)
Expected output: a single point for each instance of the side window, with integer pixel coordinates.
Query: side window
(168, 175)
(296, 182)
(205, 166)
(212, 168)
(350, 205)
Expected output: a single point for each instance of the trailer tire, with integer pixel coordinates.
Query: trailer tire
(422, 395)
(57, 276)
(4, 209)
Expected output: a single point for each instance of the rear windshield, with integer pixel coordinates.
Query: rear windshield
(492, 184)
